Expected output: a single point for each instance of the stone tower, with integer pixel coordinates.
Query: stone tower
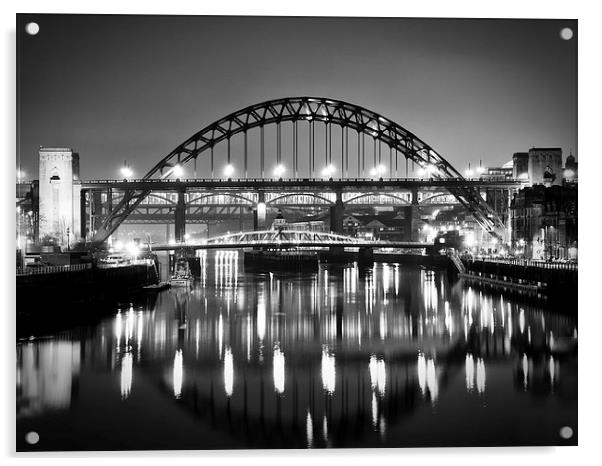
(59, 194)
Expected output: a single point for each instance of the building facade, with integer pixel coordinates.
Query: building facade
(544, 222)
(59, 186)
(545, 166)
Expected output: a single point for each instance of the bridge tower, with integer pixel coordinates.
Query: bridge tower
(59, 194)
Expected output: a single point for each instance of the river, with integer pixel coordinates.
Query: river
(385, 355)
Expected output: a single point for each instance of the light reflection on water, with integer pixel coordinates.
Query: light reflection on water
(348, 356)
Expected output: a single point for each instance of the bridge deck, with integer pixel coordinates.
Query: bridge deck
(344, 184)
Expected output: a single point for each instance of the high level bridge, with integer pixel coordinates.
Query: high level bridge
(289, 154)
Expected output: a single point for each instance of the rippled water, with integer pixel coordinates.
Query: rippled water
(387, 355)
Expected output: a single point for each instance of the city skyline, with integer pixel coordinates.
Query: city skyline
(468, 98)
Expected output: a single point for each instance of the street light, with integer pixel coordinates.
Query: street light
(431, 169)
(279, 170)
(178, 171)
(328, 170)
(229, 170)
(126, 171)
(379, 170)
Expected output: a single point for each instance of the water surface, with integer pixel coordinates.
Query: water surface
(388, 355)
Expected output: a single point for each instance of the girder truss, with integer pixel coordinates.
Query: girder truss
(275, 237)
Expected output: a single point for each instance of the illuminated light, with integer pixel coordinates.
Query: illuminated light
(379, 170)
(521, 320)
(118, 327)
(229, 170)
(525, 370)
(378, 374)
(177, 170)
(178, 374)
(480, 375)
(126, 375)
(118, 246)
(228, 372)
(126, 171)
(374, 410)
(186, 237)
(421, 171)
(328, 371)
(569, 174)
(421, 370)
(20, 174)
(552, 369)
(278, 363)
(279, 170)
(523, 176)
(132, 249)
(469, 372)
(469, 173)
(431, 380)
(309, 430)
(469, 239)
(261, 212)
(481, 170)
(261, 317)
(431, 169)
(325, 428)
(329, 170)
(382, 326)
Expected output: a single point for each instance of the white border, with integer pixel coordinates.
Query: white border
(590, 325)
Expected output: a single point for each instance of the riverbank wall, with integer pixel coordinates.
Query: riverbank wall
(61, 288)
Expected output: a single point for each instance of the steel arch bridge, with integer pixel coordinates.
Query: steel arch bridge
(312, 110)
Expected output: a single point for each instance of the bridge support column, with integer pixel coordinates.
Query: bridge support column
(83, 224)
(337, 213)
(259, 213)
(365, 256)
(109, 201)
(180, 227)
(412, 219)
(95, 210)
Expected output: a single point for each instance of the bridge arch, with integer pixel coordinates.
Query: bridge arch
(393, 196)
(313, 110)
(309, 194)
(215, 194)
(427, 200)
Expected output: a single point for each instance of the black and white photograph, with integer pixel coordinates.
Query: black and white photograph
(285, 232)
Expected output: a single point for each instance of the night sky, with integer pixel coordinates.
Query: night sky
(134, 87)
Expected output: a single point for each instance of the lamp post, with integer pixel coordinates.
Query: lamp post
(126, 171)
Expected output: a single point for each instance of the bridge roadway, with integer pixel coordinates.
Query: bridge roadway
(343, 184)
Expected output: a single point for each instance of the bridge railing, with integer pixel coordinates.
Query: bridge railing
(52, 269)
(530, 263)
(300, 179)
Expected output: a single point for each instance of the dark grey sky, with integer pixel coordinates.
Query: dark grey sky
(134, 87)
